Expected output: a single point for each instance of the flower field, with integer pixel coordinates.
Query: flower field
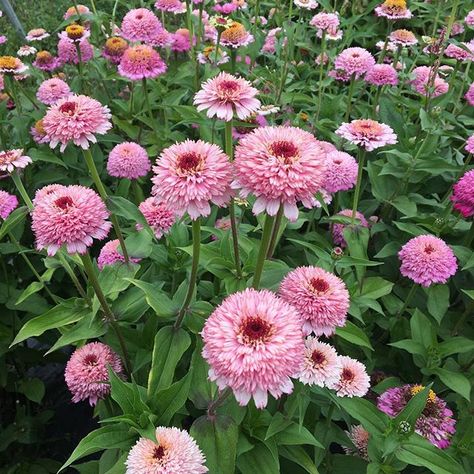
(237, 237)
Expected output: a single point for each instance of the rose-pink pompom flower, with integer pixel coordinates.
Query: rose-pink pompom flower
(338, 229)
(354, 62)
(8, 202)
(367, 134)
(69, 215)
(174, 452)
(470, 144)
(67, 51)
(280, 166)
(158, 215)
(11, 159)
(128, 160)
(109, 254)
(321, 364)
(172, 6)
(76, 119)
(225, 94)
(463, 194)
(321, 299)
(353, 379)
(470, 19)
(360, 440)
(382, 75)
(254, 344)
(180, 41)
(460, 54)
(140, 24)
(141, 62)
(423, 76)
(470, 94)
(341, 174)
(192, 174)
(427, 260)
(51, 90)
(87, 373)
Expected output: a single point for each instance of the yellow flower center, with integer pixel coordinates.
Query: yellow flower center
(8, 62)
(43, 56)
(402, 4)
(235, 33)
(39, 127)
(418, 388)
(74, 31)
(116, 45)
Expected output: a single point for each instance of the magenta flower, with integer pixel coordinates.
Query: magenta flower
(128, 160)
(338, 229)
(367, 134)
(460, 54)
(51, 90)
(341, 174)
(8, 202)
(114, 48)
(45, 61)
(180, 41)
(12, 159)
(140, 24)
(158, 216)
(382, 75)
(172, 6)
(109, 254)
(353, 380)
(470, 144)
(67, 51)
(470, 94)
(140, 62)
(463, 194)
(421, 82)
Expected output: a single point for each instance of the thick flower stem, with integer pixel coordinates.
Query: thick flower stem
(355, 202)
(408, 299)
(215, 404)
(275, 231)
(21, 189)
(194, 271)
(262, 254)
(350, 95)
(90, 270)
(73, 277)
(103, 194)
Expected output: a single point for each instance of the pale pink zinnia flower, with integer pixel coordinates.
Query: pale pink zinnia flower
(338, 229)
(159, 216)
(427, 260)
(11, 65)
(26, 51)
(353, 380)
(69, 215)
(463, 194)
(421, 82)
(382, 75)
(367, 134)
(470, 19)
(460, 54)
(280, 166)
(354, 62)
(253, 344)
(71, 11)
(174, 452)
(8, 202)
(321, 364)
(51, 90)
(140, 24)
(109, 254)
(12, 159)
(37, 34)
(87, 373)
(192, 174)
(470, 94)
(321, 299)
(141, 61)
(470, 144)
(341, 174)
(76, 119)
(225, 94)
(128, 160)
(67, 51)
(306, 4)
(403, 38)
(172, 6)
(325, 21)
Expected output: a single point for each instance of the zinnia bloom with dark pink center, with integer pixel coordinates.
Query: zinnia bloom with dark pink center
(341, 174)
(191, 175)
(353, 379)
(321, 299)
(280, 166)
(225, 94)
(382, 75)
(8, 202)
(436, 422)
(109, 254)
(158, 216)
(140, 24)
(338, 228)
(427, 260)
(11, 159)
(367, 133)
(463, 194)
(128, 160)
(76, 119)
(51, 90)
(68, 215)
(253, 344)
(141, 61)
(174, 452)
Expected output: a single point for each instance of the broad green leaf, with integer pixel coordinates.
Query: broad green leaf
(455, 381)
(296, 435)
(33, 389)
(299, 456)
(44, 154)
(139, 244)
(413, 408)
(260, 460)
(116, 278)
(438, 301)
(376, 287)
(410, 346)
(455, 345)
(422, 329)
(15, 218)
(278, 424)
(168, 401)
(352, 333)
(31, 289)
(202, 390)
(157, 299)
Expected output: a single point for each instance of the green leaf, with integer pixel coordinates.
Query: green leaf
(168, 401)
(299, 456)
(455, 345)
(127, 395)
(31, 289)
(139, 244)
(422, 330)
(124, 208)
(116, 278)
(201, 391)
(455, 381)
(15, 218)
(469, 293)
(297, 435)
(43, 154)
(259, 460)
(438, 301)
(352, 333)
(376, 287)
(157, 299)
(410, 346)
(413, 408)
(278, 424)
(33, 389)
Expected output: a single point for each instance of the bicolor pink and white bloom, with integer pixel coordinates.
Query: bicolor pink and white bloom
(87, 373)
(51, 90)
(460, 54)
(110, 254)
(76, 119)
(8, 203)
(13, 159)
(338, 228)
(367, 134)
(353, 62)
(224, 95)
(427, 260)
(172, 6)
(37, 34)
(382, 75)
(12, 65)
(173, 452)
(141, 62)
(191, 175)
(140, 24)
(128, 160)
(403, 38)
(236, 36)
(306, 4)
(26, 51)
(341, 173)
(281, 166)
(72, 216)
(321, 299)
(463, 194)
(77, 9)
(353, 380)
(254, 344)
(159, 216)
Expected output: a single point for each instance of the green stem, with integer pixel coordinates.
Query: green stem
(138, 191)
(410, 295)
(470, 236)
(321, 69)
(262, 254)
(21, 189)
(275, 232)
(376, 100)
(211, 409)
(384, 49)
(355, 202)
(218, 42)
(73, 277)
(350, 95)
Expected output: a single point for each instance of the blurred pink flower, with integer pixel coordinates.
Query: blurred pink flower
(128, 160)
(67, 51)
(109, 254)
(470, 94)
(51, 90)
(46, 61)
(12, 159)
(393, 10)
(180, 41)
(463, 194)
(8, 202)
(172, 6)
(159, 216)
(37, 34)
(140, 24)
(114, 48)
(338, 229)
(403, 38)
(382, 75)
(341, 174)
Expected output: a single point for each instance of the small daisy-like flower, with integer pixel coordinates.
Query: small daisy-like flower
(174, 452)
(39, 133)
(253, 344)
(76, 10)
(76, 119)
(140, 24)
(367, 134)
(403, 38)
(463, 194)
(114, 48)
(8, 202)
(306, 4)
(67, 51)
(87, 373)
(353, 380)
(141, 61)
(236, 36)
(46, 61)
(128, 160)
(159, 216)
(338, 229)
(382, 75)
(393, 10)
(26, 51)
(172, 6)
(470, 94)
(11, 65)
(321, 299)
(37, 34)
(12, 159)
(341, 174)
(321, 364)
(191, 175)
(470, 144)
(51, 90)
(360, 439)
(109, 254)
(224, 95)
(354, 62)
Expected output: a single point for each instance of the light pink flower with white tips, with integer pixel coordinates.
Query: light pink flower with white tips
(353, 380)
(224, 95)
(8, 202)
(140, 24)
(367, 134)
(12, 159)
(158, 215)
(51, 90)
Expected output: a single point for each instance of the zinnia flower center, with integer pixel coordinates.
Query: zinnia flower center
(75, 31)
(36, 32)
(44, 57)
(39, 127)
(64, 202)
(116, 45)
(235, 33)
(159, 452)
(140, 54)
(416, 389)
(189, 163)
(68, 108)
(8, 62)
(319, 285)
(318, 358)
(255, 330)
(227, 89)
(429, 249)
(284, 151)
(89, 359)
(347, 375)
(367, 127)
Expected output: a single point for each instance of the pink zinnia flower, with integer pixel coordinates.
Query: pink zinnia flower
(236, 36)
(26, 51)
(8, 202)
(403, 38)
(256, 121)
(470, 19)
(191, 175)
(128, 160)
(11, 65)
(253, 344)
(280, 166)
(382, 75)
(87, 373)
(393, 10)
(353, 380)
(470, 94)
(71, 11)
(158, 216)
(306, 4)
(354, 62)
(114, 48)
(38, 133)
(271, 39)
(427, 259)
(162, 39)
(367, 133)
(37, 34)
(12, 159)
(46, 61)
(338, 229)
(321, 364)
(225, 94)
(470, 144)
(67, 51)
(51, 90)
(436, 422)
(463, 194)
(141, 61)
(325, 21)
(140, 24)
(421, 82)
(321, 299)
(341, 174)
(71, 216)
(109, 254)
(76, 119)
(174, 452)
(172, 6)
(460, 54)
(180, 41)
(360, 439)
